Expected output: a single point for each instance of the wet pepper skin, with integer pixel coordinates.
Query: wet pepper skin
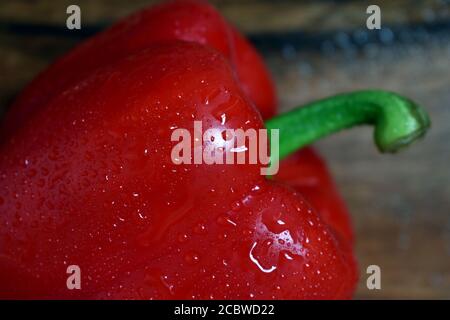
(193, 21)
(188, 20)
(88, 180)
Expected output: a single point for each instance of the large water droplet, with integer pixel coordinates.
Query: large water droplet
(257, 263)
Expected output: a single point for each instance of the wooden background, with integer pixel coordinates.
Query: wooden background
(400, 204)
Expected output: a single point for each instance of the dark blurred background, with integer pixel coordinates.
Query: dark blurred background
(400, 204)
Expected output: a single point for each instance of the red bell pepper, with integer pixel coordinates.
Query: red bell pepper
(88, 180)
(190, 21)
(194, 21)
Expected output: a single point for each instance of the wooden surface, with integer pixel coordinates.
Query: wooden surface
(400, 204)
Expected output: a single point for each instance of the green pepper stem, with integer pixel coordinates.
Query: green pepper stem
(398, 121)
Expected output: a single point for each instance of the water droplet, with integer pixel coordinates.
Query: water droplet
(222, 236)
(183, 237)
(247, 202)
(231, 222)
(256, 188)
(256, 262)
(200, 229)
(288, 256)
(236, 206)
(140, 214)
(192, 258)
(165, 282)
